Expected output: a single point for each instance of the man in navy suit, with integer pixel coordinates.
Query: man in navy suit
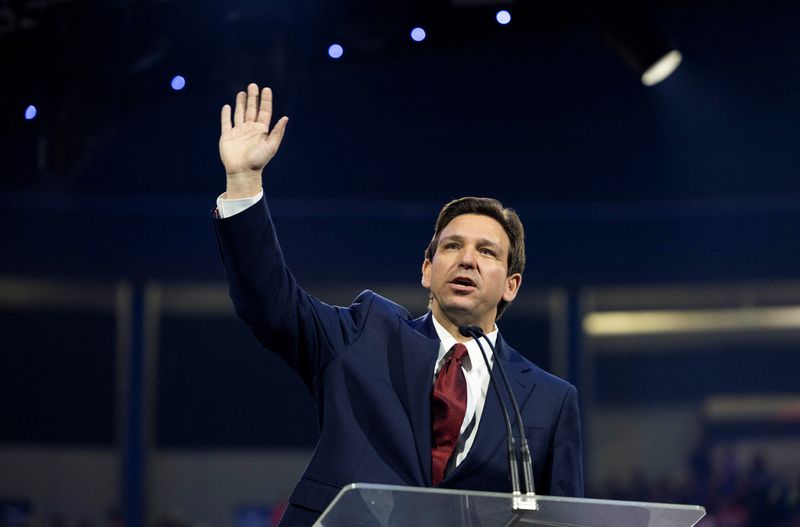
(372, 368)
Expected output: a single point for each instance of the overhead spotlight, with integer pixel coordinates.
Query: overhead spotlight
(30, 112)
(662, 68)
(418, 34)
(503, 17)
(631, 30)
(335, 51)
(178, 83)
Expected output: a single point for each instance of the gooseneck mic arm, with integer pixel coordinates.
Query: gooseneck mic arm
(513, 469)
(527, 463)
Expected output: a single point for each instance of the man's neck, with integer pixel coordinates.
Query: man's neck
(452, 327)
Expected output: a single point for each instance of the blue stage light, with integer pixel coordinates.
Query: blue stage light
(418, 34)
(335, 51)
(30, 112)
(503, 17)
(178, 83)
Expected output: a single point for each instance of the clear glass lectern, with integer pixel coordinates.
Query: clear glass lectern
(369, 505)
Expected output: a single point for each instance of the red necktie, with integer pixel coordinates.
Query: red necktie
(448, 406)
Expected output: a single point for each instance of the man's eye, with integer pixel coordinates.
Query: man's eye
(488, 251)
(451, 245)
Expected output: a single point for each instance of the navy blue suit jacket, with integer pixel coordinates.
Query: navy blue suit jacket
(370, 368)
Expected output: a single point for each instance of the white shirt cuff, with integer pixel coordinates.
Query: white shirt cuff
(231, 207)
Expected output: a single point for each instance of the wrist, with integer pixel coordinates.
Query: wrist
(243, 184)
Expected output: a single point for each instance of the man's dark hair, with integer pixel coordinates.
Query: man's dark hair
(492, 208)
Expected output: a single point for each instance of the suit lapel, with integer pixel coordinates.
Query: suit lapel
(491, 433)
(413, 379)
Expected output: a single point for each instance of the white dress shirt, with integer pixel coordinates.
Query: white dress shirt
(230, 207)
(477, 376)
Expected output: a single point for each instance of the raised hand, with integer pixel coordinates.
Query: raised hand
(246, 145)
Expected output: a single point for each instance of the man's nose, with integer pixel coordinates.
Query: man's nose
(467, 258)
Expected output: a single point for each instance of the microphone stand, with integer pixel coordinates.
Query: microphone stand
(513, 469)
(529, 503)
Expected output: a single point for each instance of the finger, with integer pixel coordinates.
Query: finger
(238, 113)
(276, 135)
(252, 103)
(265, 110)
(226, 118)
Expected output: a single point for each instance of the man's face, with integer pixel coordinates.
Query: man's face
(469, 272)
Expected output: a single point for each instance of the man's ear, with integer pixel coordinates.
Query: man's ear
(513, 282)
(426, 274)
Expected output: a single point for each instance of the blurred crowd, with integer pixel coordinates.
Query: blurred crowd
(733, 494)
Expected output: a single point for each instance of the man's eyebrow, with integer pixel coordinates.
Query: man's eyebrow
(484, 241)
(480, 241)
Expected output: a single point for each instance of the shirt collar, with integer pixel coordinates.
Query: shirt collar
(449, 340)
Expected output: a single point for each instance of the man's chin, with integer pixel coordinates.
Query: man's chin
(460, 313)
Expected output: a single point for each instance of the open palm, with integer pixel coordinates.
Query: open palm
(246, 144)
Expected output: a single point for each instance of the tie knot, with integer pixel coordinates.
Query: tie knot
(458, 350)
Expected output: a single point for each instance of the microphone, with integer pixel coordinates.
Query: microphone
(513, 469)
(527, 464)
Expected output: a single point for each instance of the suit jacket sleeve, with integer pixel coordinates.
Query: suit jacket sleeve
(304, 331)
(566, 476)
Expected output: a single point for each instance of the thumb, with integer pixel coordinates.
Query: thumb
(276, 135)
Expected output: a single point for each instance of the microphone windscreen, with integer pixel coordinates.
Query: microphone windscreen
(471, 331)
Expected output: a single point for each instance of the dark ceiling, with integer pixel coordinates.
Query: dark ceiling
(540, 106)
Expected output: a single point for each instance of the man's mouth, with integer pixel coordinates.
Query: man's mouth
(462, 282)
